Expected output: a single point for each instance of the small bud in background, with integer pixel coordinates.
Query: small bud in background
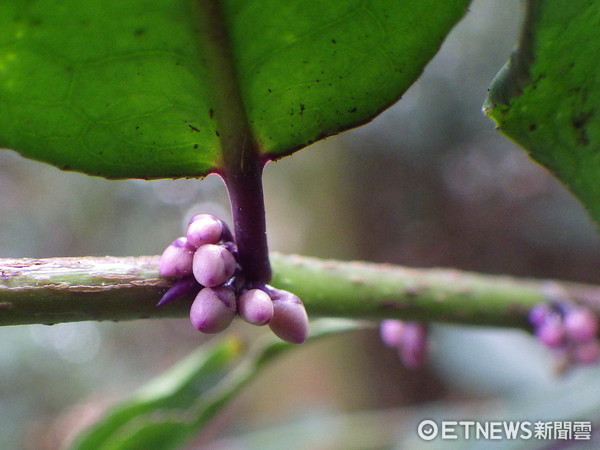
(586, 352)
(213, 309)
(182, 287)
(204, 229)
(176, 260)
(290, 321)
(391, 332)
(409, 338)
(538, 314)
(255, 307)
(551, 332)
(569, 329)
(413, 350)
(581, 325)
(213, 265)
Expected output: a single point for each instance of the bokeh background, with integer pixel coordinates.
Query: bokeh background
(428, 183)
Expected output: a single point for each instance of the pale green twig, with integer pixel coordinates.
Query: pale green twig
(109, 288)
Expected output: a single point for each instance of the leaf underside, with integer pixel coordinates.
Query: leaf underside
(119, 88)
(547, 96)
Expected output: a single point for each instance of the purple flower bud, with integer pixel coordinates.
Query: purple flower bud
(184, 286)
(290, 321)
(213, 265)
(581, 325)
(213, 309)
(391, 332)
(204, 229)
(538, 314)
(176, 260)
(413, 349)
(551, 332)
(587, 352)
(255, 307)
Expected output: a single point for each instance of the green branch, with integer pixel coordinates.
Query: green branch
(74, 289)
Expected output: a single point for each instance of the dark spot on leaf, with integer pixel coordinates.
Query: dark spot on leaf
(194, 128)
(352, 110)
(333, 41)
(579, 123)
(302, 108)
(139, 32)
(269, 90)
(532, 127)
(217, 132)
(195, 145)
(211, 113)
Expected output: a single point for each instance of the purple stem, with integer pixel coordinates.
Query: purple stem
(242, 162)
(249, 224)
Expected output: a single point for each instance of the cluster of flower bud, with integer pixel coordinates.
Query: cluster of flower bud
(570, 330)
(205, 261)
(408, 338)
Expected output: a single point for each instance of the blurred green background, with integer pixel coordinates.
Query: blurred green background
(428, 183)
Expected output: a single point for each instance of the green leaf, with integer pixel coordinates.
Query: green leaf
(178, 404)
(131, 88)
(166, 397)
(547, 96)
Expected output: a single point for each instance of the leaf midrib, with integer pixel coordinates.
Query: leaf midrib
(238, 146)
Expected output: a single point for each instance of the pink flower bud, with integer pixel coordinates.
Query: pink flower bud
(391, 332)
(538, 314)
(413, 349)
(581, 325)
(587, 352)
(213, 309)
(213, 265)
(290, 321)
(176, 260)
(255, 307)
(551, 332)
(204, 229)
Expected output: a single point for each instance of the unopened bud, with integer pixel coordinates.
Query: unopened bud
(538, 314)
(213, 265)
(551, 332)
(413, 350)
(255, 307)
(587, 352)
(176, 260)
(581, 325)
(290, 321)
(204, 229)
(391, 332)
(213, 309)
